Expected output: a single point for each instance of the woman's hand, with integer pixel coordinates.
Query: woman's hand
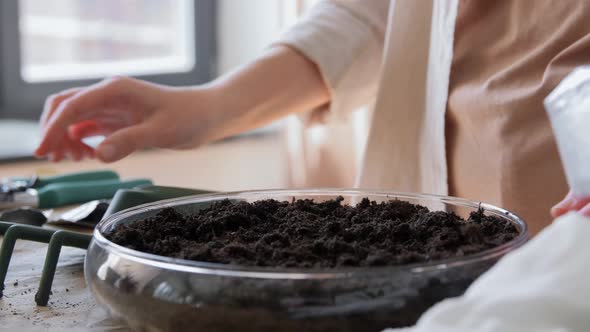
(134, 114)
(572, 203)
(131, 114)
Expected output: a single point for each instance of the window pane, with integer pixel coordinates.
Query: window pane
(81, 39)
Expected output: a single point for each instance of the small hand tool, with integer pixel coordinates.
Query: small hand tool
(14, 184)
(66, 193)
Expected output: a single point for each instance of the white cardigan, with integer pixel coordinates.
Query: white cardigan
(410, 84)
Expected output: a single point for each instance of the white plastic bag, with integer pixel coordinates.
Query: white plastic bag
(568, 107)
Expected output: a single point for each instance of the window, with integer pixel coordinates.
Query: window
(48, 46)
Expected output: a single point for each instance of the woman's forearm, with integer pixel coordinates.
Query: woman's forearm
(279, 83)
(133, 114)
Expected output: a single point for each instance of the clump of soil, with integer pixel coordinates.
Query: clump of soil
(306, 234)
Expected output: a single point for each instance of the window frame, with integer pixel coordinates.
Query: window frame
(23, 100)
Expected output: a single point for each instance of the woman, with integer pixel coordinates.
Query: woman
(458, 88)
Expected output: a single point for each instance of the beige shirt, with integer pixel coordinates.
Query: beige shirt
(458, 89)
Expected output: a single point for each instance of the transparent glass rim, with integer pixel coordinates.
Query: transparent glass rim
(196, 267)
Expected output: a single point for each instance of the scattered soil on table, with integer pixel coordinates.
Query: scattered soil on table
(307, 234)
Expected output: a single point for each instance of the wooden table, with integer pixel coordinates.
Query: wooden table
(240, 164)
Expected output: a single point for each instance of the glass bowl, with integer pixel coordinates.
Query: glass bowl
(156, 293)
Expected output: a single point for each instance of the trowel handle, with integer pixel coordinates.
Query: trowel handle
(76, 177)
(60, 194)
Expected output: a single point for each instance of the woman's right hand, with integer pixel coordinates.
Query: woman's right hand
(134, 114)
(130, 113)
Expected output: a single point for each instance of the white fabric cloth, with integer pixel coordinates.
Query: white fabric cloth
(330, 155)
(542, 287)
(413, 81)
(410, 110)
(352, 76)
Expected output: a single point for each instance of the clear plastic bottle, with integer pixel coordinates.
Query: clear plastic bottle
(568, 107)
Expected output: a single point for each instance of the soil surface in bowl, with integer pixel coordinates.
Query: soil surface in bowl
(304, 233)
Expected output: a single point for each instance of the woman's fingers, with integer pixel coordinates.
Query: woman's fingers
(571, 203)
(99, 127)
(53, 102)
(123, 142)
(82, 105)
(57, 156)
(84, 129)
(586, 210)
(563, 207)
(119, 109)
(74, 152)
(78, 150)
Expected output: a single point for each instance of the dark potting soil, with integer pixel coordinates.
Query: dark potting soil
(307, 234)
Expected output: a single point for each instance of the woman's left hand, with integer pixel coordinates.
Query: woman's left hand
(572, 203)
